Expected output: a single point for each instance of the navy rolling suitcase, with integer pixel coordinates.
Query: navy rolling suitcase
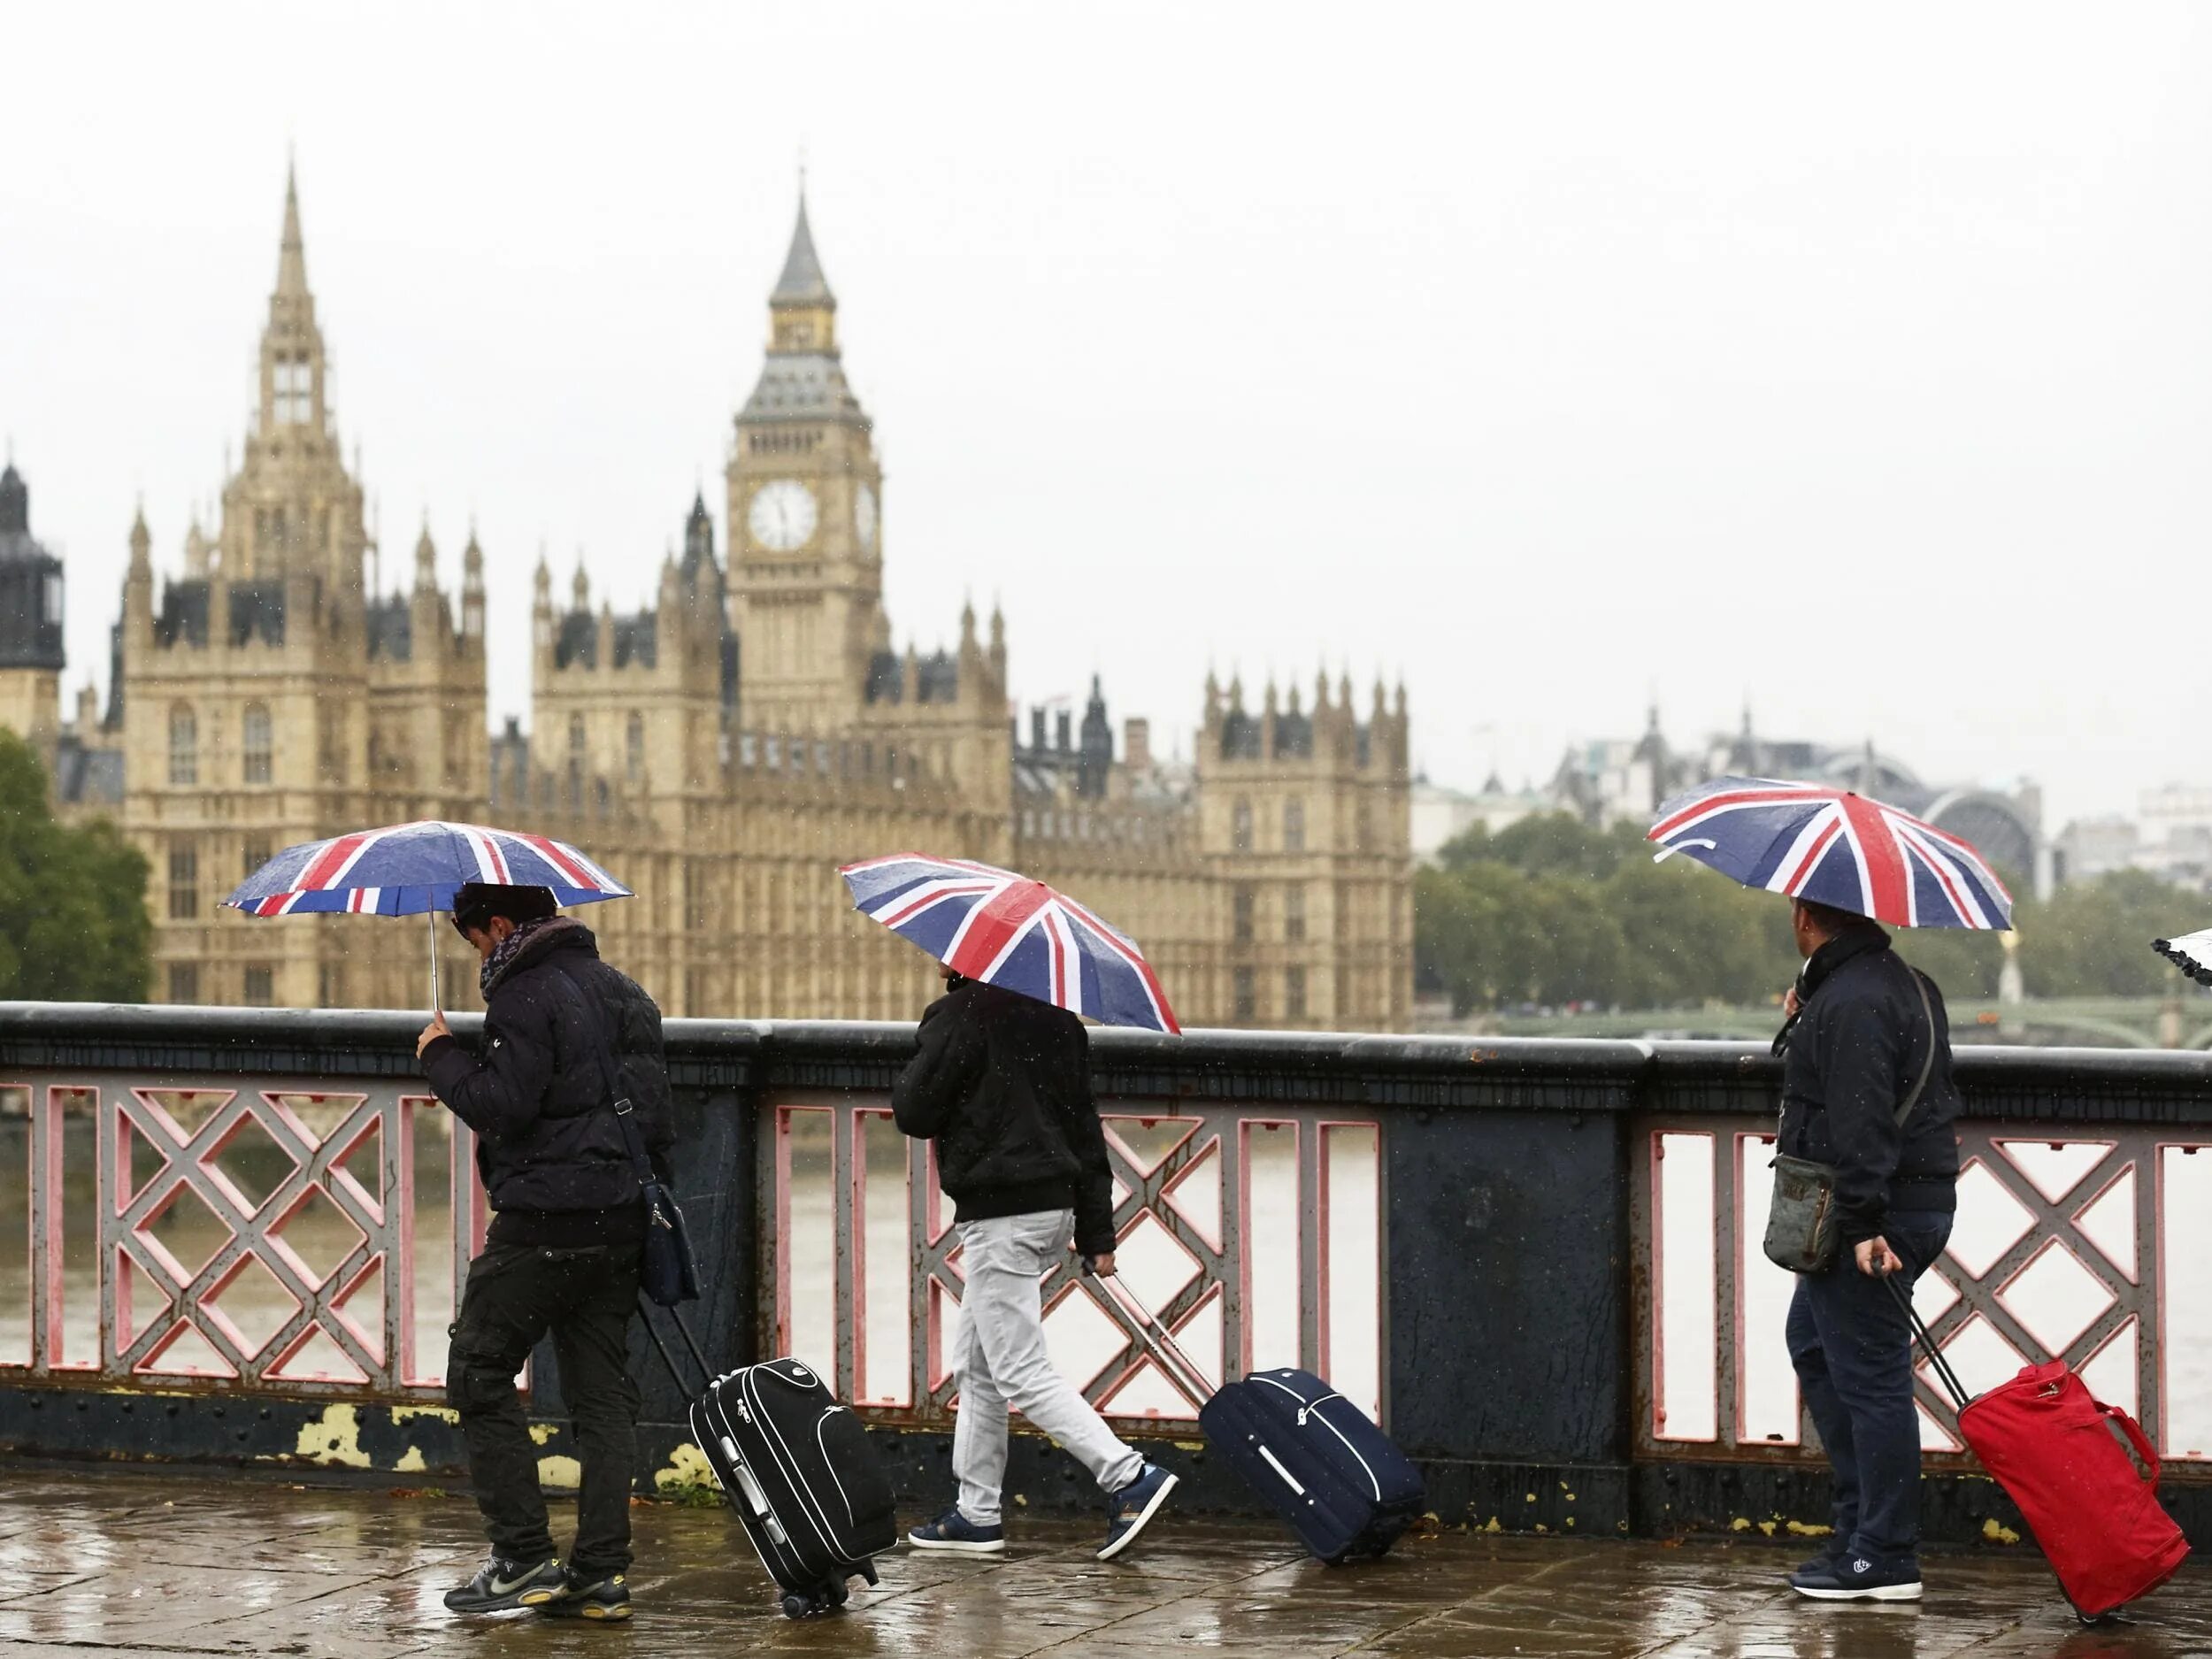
(798, 1469)
(1334, 1476)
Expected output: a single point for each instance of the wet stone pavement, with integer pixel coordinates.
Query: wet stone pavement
(99, 1563)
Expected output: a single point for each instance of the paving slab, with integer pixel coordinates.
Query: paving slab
(109, 1565)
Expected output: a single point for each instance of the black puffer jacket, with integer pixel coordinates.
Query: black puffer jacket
(533, 1091)
(1002, 1084)
(1849, 1058)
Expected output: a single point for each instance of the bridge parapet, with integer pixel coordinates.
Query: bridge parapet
(1536, 1260)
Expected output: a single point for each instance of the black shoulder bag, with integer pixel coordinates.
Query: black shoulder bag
(669, 1272)
(1801, 1214)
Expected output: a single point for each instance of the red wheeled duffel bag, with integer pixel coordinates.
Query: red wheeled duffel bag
(2062, 1456)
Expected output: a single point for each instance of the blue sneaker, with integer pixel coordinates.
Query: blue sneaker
(953, 1531)
(1133, 1508)
(1852, 1577)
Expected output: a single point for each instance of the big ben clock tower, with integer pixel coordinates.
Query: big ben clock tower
(806, 568)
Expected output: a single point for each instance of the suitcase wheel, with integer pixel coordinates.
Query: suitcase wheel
(831, 1595)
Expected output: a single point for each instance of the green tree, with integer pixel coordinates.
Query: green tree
(1965, 964)
(2094, 938)
(1475, 933)
(1548, 844)
(1692, 935)
(74, 925)
(1577, 952)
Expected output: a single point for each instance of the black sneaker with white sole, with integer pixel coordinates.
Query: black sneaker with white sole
(1838, 1548)
(500, 1586)
(602, 1600)
(1852, 1577)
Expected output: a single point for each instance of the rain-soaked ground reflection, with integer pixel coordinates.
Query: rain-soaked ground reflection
(188, 1565)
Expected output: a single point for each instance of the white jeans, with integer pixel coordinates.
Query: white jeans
(1001, 1361)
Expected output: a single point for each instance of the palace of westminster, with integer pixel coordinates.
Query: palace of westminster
(722, 751)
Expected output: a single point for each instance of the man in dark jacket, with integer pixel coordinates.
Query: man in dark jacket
(1858, 1038)
(561, 1029)
(1002, 1085)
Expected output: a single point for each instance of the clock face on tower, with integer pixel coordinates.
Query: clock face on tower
(783, 515)
(864, 516)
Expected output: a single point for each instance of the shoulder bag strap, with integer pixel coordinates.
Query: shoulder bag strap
(1927, 1066)
(610, 1078)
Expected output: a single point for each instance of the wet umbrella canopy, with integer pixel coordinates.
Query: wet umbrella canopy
(1006, 930)
(1834, 846)
(404, 869)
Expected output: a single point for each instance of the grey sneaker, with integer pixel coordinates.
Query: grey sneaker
(499, 1585)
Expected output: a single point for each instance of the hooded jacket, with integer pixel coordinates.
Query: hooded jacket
(535, 1090)
(1002, 1084)
(1848, 1059)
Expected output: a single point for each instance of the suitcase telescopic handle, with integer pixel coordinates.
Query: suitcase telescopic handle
(1937, 1360)
(683, 1385)
(1156, 1336)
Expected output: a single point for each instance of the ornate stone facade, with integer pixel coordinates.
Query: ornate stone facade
(722, 749)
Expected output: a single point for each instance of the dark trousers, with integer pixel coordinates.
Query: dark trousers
(516, 1295)
(1852, 1350)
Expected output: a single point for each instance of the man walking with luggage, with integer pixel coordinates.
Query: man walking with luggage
(563, 1253)
(1002, 1085)
(1865, 1031)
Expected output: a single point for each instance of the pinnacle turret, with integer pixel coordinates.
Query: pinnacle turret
(802, 282)
(292, 253)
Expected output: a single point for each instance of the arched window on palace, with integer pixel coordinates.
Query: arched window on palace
(1240, 827)
(634, 761)
(184, 745)
(1293, 827)
(256, 740)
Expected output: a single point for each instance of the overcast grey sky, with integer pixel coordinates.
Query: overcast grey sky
(1557, 355)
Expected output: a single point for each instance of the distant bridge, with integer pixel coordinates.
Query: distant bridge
(2107, 1022)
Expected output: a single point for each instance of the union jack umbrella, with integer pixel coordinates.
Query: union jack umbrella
(406, 868)
(1834, 846)
(989, 924)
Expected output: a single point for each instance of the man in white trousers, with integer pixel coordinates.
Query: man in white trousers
(1002, 1085)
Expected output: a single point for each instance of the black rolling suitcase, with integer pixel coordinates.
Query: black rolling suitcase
(1336, 1478)
(798, 1469)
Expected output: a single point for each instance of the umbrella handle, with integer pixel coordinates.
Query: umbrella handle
(437, 1001)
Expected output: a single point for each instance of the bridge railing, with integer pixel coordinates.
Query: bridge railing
(1535, 1261)
(1253, 1231)
(273, 1234)
(2065, 1246)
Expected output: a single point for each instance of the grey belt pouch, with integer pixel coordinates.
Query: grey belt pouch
(1801, 1212)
